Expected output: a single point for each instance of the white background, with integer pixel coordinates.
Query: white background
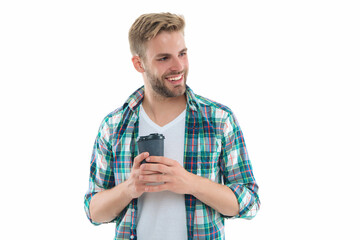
(288, 69)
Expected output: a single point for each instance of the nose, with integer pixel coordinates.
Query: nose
(176, 64)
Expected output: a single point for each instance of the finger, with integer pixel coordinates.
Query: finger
(162, 160)
(156, 188)
(139, 158)
(155, 168)
(155, 178)
(145, 172)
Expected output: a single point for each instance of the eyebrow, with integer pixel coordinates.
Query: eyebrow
(167, 54)
(184, 50)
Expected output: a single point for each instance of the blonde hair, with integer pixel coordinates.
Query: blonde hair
(148, 26)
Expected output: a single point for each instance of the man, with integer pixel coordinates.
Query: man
(205, 174)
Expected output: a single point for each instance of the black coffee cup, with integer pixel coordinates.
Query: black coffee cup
(153, 144)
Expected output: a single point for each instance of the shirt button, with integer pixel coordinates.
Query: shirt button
(132, 237)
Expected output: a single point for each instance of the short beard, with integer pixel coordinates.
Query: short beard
(159, 87)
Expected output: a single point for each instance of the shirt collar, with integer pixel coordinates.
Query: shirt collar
(136, 98)
(191, 99)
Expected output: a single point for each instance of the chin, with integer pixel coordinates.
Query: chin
(179, 90)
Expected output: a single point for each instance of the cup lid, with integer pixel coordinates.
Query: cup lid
(153, 136)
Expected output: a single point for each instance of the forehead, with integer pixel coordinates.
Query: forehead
(165, 43)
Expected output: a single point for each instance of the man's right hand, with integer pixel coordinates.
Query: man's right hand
(107, 205)
(135, 186)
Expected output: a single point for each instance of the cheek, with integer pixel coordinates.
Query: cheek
(185, 63)
(164, 70)
(159, 69)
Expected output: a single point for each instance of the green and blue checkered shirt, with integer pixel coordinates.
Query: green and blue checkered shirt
(214, 149)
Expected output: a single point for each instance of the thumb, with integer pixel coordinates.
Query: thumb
(138, 159)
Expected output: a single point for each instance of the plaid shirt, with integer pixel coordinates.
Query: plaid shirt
(214, 149)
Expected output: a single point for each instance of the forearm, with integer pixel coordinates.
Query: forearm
(178, 180)
(108, 204)
(218, 196)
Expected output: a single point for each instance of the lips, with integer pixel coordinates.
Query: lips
(175, 79)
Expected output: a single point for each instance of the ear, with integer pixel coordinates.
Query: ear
(136, 60)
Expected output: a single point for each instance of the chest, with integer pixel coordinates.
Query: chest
(190, 140)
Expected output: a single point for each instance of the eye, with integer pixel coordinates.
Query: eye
(182, 54)
(162, 59)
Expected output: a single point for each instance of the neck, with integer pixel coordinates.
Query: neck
(163, 110)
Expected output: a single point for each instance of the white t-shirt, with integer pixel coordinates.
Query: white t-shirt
(162, 215)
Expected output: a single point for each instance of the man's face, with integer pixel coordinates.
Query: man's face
(166, 65)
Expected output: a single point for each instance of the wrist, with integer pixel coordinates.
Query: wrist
(195, 184)
(125, 190)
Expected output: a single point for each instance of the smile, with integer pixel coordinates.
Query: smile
(175, 78)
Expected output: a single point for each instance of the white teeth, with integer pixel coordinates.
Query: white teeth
(175, 78)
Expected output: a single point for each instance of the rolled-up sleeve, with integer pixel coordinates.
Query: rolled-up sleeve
(237, 170)
(101, 172)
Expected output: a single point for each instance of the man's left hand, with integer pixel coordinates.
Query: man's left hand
(172, 176)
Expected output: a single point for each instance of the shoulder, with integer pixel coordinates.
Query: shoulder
(114, 117)
(125, 112)
(110, 123)
(220, 117)
(207, 103)
(213, 109)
